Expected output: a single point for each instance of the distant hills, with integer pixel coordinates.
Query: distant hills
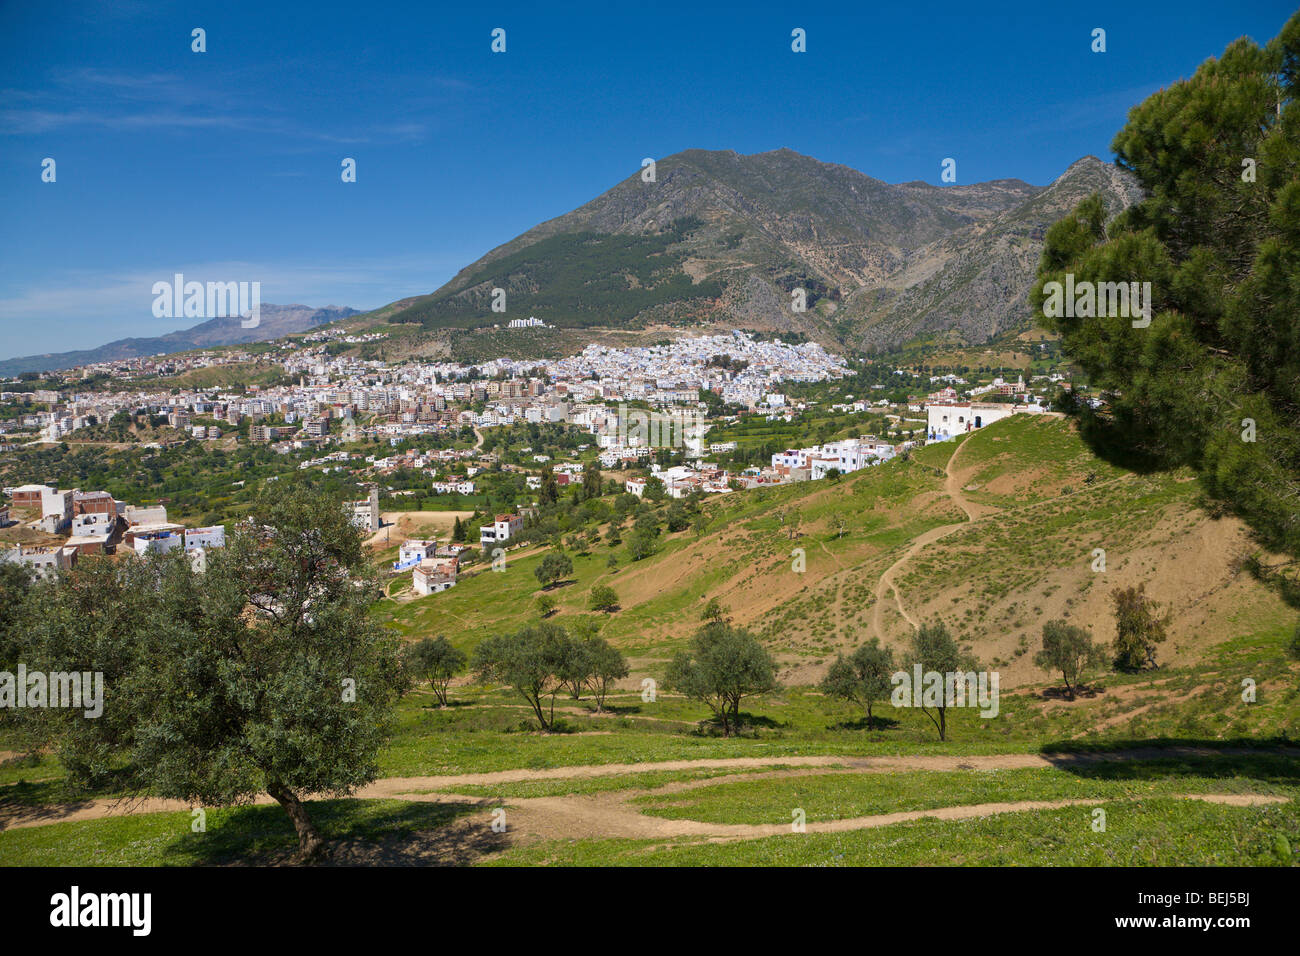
(276, 320)
(724, 237)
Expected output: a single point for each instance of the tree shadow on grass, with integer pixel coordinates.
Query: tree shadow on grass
(744, 724)
(46, 801)
(1084, 692)
(861, 723)
(359, 833)
(1273, 760)
(52, 801)
(618, 710)
(1277, 744)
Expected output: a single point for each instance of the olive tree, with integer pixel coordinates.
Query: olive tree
(263, 674)
(722, 666)
(862, 677)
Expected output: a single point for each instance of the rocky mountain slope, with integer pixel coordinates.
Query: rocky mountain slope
(723, 237)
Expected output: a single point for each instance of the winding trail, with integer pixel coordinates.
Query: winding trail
(886, 585)
(610, 814)
(975, 514)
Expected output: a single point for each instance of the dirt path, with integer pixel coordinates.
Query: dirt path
(885, 585)
(975, 514)
(618, 817)
(605, 817)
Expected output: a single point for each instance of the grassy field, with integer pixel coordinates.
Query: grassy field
(1011, 516)
(1153, 832)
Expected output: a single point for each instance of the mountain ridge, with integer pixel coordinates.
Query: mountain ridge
(276, 320)
(882, 263)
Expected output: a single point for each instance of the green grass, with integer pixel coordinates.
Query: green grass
(1147, 832)
(242, 834)
(491, 729)
(844, 796)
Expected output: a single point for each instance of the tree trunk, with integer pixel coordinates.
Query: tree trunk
(310, 843)
(541, 714)
(943, 723)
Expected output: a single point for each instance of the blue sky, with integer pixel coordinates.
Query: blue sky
(225, 165)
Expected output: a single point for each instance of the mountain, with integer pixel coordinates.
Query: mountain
(724, 237)
(276, 320)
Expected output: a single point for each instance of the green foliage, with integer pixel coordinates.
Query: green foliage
(862, 677)
(606, 665)
(437, 661)
(553, 568)
(935, 650)
(263, 674)
(1214, 381)
(549, 492)
(714, 612)
(15, 582)
(1069, 649)
(532, 661)
(654, 489)
(641, 544)
(602, 598)
(1138, 628)
(572, 279)
(591, 481)
(722, 666)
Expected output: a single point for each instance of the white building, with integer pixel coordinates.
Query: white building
(56, 510)
(502, 529)
(850, 454)
(44, 561)
(212, 537)
(93, 525)
(158, 541)
(413, 551)
(435, 575)
(946, 420)
(453, 487)
(365, 512)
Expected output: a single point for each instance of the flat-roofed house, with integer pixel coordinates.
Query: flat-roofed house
(434, 575)
(210, 537)
(93, 502)
(45, 561)
(502, 529)
(28, 496)
(413, 551)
